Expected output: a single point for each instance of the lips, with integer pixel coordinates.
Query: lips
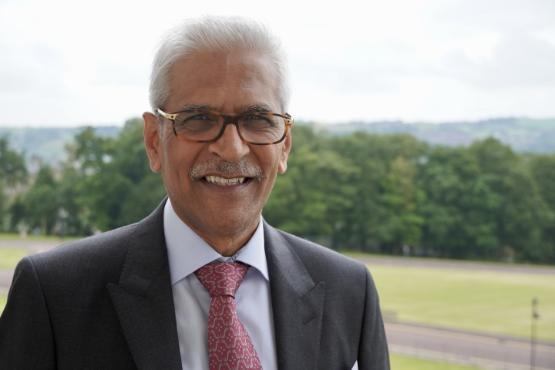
(224, 173)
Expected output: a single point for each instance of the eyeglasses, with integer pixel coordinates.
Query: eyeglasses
(254, 126)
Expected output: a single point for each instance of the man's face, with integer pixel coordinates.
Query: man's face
(212, 202)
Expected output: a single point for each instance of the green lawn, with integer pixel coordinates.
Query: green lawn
(399, 362)
(3, 299)
(9, 257)
(495, 302)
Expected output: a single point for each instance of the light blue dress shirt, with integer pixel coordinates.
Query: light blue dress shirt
(187, 252)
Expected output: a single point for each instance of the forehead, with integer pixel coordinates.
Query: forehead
(223, 80)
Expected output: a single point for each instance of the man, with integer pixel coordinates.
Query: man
(142, 296)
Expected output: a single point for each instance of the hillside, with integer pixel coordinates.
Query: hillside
(522, 134)
(47, 143)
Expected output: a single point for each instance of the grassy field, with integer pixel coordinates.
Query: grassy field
(487, 301)
(399, 362)
(2, 302)
(10, 256)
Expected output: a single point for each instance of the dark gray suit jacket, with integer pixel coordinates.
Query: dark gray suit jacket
(105, 302)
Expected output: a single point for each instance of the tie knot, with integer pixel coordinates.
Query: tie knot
(222, 278)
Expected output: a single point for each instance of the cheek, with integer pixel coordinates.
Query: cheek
(178, 159)
(173, 164)
(273, 162)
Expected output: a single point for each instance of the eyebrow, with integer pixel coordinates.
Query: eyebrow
(190, 108)
(262, 108)
(195, 108)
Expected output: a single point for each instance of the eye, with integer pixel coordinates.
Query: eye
(196, 122)
(200, 117)
(257, 120)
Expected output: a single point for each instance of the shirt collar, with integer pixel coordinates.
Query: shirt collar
(187, 252)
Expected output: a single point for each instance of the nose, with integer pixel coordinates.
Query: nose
(230, 146)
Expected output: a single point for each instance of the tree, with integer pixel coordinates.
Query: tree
(13, 172)
(89, 153)
(542, 169)
(12, 165)
(459, 206)
(314, 196)
(145, 189)
(107, 182)
(42, 202)
(402, 226)
(372, 224)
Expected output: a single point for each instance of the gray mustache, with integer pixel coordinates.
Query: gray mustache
(225, 168)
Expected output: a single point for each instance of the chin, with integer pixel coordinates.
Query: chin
(234, 221)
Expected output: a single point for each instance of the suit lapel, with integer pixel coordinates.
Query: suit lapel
(297, 303)
(143, 298)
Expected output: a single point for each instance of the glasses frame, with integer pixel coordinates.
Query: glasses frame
(234, 120)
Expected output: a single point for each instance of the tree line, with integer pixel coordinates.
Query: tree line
(390, 194)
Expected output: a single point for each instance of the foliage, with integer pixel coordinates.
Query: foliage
(390, 194)
(111, 179)
(12, 165)
(13, 172)
(394, 194)
(41, 203)
(104, 183)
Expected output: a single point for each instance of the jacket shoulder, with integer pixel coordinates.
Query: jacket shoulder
(322, 262)
(76, 273)
(95, 252)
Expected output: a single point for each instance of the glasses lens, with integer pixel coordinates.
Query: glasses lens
(261, 128)
(197, 125)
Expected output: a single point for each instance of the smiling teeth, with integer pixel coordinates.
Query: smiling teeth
(223, 181)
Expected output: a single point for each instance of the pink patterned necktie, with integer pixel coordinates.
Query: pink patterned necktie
(229, 345)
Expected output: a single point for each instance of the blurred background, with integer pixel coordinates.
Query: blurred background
(424, 146)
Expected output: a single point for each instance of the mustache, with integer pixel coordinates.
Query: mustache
(226, 168)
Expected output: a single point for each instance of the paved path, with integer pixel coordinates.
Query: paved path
(456, 346)
(32, 245)
(451, 264)
(5, 280)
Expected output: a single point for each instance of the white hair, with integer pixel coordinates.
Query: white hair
(214, 34)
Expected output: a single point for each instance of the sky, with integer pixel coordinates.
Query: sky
(73, 63)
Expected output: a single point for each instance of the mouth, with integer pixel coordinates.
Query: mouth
(226, 181)
(226, 175)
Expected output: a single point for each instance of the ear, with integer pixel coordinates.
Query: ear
(284, 155)
(152, 140)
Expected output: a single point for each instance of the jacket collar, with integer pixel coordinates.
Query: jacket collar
(297, 303)
(143, 298)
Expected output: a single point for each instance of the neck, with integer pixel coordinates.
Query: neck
(229, 245)
(228, 242)
(226, 235)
